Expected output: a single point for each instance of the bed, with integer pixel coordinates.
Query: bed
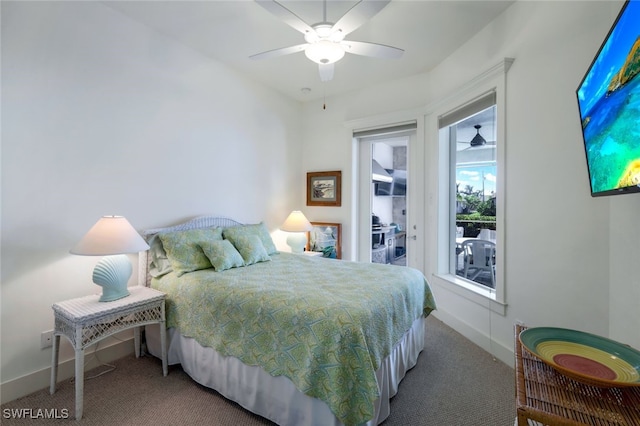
(299, 340)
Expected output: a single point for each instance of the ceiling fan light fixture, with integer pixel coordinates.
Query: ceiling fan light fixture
(324, 52)
(477, 140)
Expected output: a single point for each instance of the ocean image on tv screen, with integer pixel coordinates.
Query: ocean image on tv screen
(609, 101)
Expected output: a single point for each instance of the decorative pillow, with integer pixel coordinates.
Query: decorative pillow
(251, 249)
(260, 229)
(222, 254)
(159, 264)
(184, 251)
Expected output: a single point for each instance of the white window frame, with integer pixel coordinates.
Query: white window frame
(492, 80)
(451, 142)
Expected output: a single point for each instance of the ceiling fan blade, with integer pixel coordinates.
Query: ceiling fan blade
(326, 71)
(280, 52)
(358, 15)
(287, 16)
(372, 49)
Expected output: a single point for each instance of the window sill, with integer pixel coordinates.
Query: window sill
(474, 293)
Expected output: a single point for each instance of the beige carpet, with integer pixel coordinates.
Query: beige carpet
(455, 383)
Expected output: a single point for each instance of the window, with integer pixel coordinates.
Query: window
(468, 141)
(470, 187)
(473, 167)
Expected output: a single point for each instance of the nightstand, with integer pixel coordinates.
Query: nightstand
(85, 321)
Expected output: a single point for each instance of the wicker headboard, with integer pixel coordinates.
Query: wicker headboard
(144, 260)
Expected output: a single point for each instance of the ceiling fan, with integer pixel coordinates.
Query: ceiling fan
(476, 142)
(324, 41)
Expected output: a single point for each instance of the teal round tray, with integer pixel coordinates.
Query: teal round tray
(584, 357)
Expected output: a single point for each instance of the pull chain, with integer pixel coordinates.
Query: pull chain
(324, 100)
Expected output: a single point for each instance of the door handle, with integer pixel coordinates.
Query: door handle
(413, 237)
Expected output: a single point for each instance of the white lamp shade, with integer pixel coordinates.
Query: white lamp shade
(324, 52)
(110, 235)
(296, 222)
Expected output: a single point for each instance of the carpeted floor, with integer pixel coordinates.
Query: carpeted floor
(455, 383)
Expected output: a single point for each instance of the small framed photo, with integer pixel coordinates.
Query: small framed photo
(324, 188)
(325, 238)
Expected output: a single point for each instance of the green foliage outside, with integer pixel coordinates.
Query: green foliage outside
(473, 213)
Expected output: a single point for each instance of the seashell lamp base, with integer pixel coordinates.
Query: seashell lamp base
(112, 274)
(297, 241)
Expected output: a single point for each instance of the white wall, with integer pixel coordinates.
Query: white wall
(569, 258)
(624, 280)
(101, 115)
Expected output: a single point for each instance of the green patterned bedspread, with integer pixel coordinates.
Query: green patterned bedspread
(325, 324)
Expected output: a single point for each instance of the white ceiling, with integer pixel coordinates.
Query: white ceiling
(230, 31)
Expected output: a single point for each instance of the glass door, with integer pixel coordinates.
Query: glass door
(383, 209)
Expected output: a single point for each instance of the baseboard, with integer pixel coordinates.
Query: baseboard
(40, 379)
(499, 351)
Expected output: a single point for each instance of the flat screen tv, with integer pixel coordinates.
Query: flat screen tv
(609, 103)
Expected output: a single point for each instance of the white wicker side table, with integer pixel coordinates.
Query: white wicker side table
(85, 321)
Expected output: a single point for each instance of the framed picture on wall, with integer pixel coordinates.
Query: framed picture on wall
(325, 238)
(324, 188)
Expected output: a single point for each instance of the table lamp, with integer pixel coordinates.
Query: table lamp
(297, 226)
(112, 237)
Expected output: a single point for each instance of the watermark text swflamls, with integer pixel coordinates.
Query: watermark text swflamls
(35, 413)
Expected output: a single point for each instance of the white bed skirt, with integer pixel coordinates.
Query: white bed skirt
(276, 398)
